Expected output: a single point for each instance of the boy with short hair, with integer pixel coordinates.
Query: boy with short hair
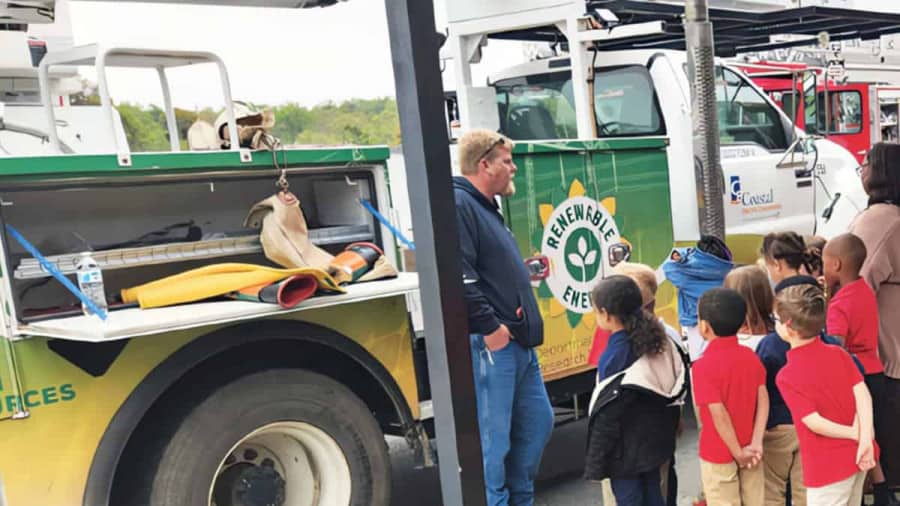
(852, 318)
(852, 315)
(828, 401)
(730, 392)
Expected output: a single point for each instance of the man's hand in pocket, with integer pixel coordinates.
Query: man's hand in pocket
(498, 339)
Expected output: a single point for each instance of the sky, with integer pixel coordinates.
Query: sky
(274, 56)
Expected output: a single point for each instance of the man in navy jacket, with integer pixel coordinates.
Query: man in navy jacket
(514, 413)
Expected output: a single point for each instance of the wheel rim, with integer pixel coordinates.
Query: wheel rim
(283, 464)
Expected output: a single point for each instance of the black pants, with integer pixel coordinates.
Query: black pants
(672, 492)
(875, 384)
(888, 410)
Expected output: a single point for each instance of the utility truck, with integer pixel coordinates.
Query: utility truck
(605, 141)
(227, 402)
(220, 402)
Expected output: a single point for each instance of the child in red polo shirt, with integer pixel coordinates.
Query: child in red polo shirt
(852, 318)
(828, 401)
(730, 392)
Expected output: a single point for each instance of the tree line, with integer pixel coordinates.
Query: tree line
(356, 121)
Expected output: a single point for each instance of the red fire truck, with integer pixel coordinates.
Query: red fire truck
(855, 115)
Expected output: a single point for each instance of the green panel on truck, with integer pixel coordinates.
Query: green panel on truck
(573, 201)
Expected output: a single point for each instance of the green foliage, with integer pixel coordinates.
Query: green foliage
(356, 121)
(143, 131)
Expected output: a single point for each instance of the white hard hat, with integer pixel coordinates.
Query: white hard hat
(245, 116)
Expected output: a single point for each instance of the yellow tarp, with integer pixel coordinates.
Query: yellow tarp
(214, 280)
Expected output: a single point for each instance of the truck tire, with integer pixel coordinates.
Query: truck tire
(281, 437)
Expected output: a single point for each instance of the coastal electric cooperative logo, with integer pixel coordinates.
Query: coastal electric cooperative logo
(755, 204)
(575, 236)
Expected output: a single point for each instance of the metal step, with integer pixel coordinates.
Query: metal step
(29, 268)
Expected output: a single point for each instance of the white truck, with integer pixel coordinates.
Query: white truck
(603, 124)
(646, 92)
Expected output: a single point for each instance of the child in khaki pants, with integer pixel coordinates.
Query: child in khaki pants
(782, 454)
(730, 391)
(828, 400)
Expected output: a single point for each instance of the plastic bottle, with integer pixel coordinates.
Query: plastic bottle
(90, 282)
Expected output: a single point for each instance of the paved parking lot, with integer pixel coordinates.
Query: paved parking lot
(560, 480)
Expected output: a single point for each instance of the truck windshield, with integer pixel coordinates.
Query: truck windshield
(541, 106)
(744, 114)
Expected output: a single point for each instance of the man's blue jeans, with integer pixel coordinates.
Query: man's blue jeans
(515, 420)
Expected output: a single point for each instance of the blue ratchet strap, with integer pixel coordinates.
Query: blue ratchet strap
(384, 221)
(55, 272)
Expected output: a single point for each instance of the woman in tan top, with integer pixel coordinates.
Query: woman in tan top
(879, 228)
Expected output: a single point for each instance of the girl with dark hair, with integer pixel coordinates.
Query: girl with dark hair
(789, 260)
(879, 228)
(620, 310)
(634, 409)
(815, 245)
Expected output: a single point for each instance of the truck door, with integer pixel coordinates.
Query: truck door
(764, 191)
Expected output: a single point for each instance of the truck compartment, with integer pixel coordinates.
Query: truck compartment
(196, 220)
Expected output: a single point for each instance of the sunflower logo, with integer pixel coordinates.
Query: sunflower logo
(577, 230)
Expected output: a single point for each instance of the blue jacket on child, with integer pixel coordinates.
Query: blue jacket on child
(693, 274)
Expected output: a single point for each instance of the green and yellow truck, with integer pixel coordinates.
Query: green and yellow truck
(227, 402)
(231, 402)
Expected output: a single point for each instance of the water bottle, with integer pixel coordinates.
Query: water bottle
(90, 282)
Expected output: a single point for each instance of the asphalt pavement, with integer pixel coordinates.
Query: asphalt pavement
(559, 482)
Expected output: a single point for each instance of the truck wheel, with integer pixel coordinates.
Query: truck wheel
(280, 438)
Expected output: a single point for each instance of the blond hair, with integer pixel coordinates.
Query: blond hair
(477, 144)
(753, 284)
(643, 275)
(802, 308)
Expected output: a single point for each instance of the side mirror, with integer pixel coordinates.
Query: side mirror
(790, 160)
(802, 165)
(538, 267)
(618, 253)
